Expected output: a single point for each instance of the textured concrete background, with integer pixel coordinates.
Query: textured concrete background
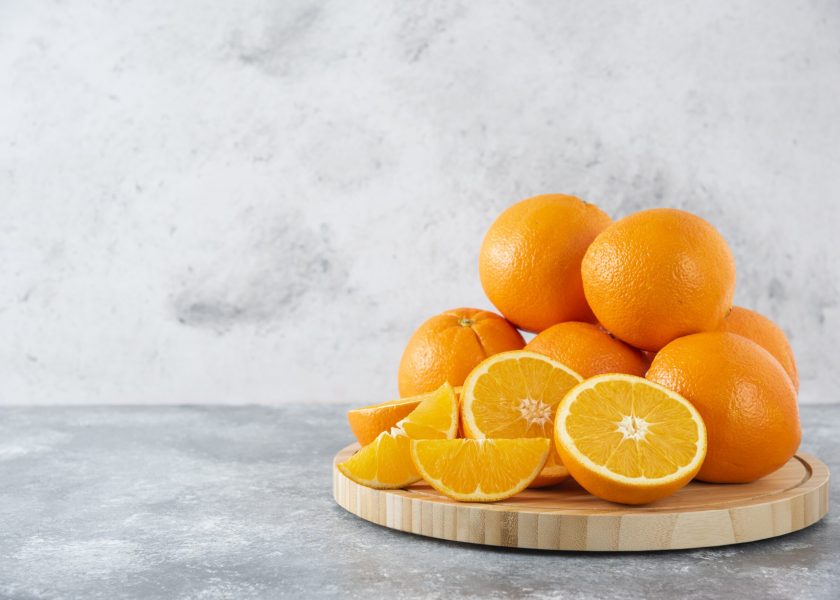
(258, 201)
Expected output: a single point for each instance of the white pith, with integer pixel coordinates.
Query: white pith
(631, 427)
(534, 412)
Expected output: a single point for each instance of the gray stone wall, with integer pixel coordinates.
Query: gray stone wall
(259, 201)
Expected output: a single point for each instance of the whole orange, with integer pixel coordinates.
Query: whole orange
(745, 398)
(766, 334)
(530, 260)
(588, 349)
(657, 275)
(448, 346)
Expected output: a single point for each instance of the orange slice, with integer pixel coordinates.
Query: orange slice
(514, 395)
(368, 422)
(480, 470)
(629, 440)
(386, 463)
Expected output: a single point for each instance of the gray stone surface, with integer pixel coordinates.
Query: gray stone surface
(200, 502)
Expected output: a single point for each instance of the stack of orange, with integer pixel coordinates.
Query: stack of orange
(642, 374)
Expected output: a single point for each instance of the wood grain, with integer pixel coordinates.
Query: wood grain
(566, 517)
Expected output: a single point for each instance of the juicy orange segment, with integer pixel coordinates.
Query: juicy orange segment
(368, 422)
(435, 417)
(514, 395)
(628, 440)
(386, 462)
(480, 470)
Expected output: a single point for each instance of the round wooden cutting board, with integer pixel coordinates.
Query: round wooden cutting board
(565, 517)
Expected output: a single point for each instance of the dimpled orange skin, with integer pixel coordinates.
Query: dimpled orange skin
(744, 396)
(587, 349)
(529, 263)
(657, 275)
(448, 346)
(765, 333)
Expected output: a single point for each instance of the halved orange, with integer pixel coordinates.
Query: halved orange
(553, 472)
(480, 470)
(386, 463)
(514, 395)
(629, 440)
(368, 422)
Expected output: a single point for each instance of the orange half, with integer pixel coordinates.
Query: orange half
(629, 440)
(514, 395)
(553, 472)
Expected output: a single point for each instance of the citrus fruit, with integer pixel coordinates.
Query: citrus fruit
(588, 350)
(446, 348)
(480, 470)
(628, 440)
(530, 260)
(386, 463)
(765, 333)
(745, 396)
(657, 275)
(435, 417)
(553, 472)
(514, 395)
(368, 422)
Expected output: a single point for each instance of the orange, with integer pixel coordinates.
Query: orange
(514, 395)
(369, 421)
(745, 396)
(446, 348)
(588, 350)
(658, 275)
(386, 462)
(553, 472)
(435, 417)
(765, 333)
(530, 260)
(480, 470)
(383, 464)
(628, 440)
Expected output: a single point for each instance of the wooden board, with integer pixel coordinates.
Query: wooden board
(566, 517)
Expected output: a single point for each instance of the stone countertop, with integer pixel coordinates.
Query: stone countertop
(235, 502)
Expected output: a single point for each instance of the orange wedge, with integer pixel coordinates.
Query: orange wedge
(386, 462)
(480, 470)
(368, 422)
(629, 440)
(514, 395)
